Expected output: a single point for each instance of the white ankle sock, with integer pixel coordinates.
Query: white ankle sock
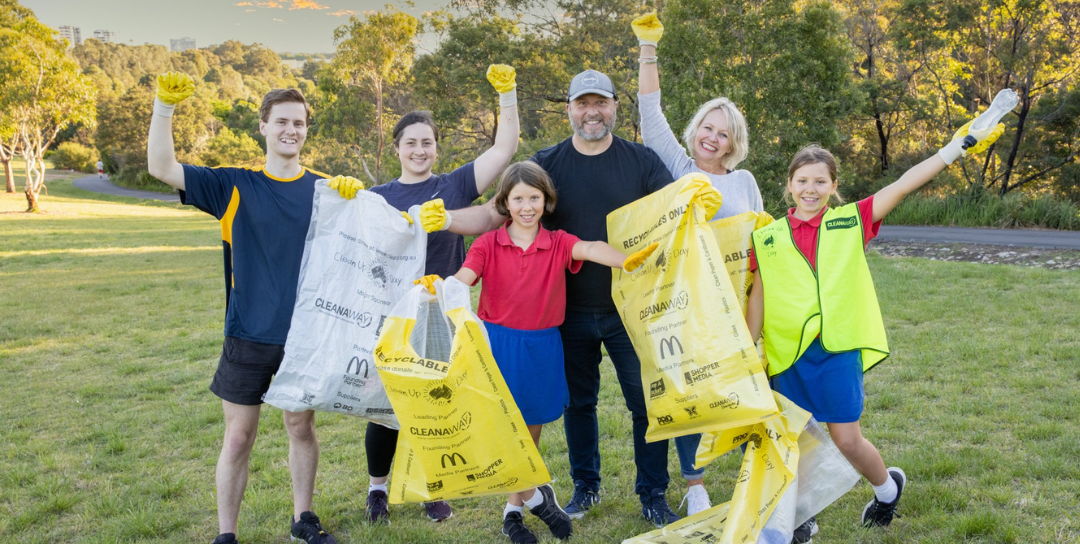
(376, 487)
(536, 500)
(511, 508)
(886, 492)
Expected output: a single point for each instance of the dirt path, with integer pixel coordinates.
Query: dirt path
(1055, 259)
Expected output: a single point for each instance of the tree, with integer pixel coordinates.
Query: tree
(374, 55)
(43, 91)
(786, 64)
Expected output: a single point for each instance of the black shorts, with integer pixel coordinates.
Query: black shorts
(245, 370)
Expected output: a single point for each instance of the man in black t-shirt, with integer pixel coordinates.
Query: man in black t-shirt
(594, 172)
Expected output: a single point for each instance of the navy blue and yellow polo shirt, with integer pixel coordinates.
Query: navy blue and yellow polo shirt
(264, 223)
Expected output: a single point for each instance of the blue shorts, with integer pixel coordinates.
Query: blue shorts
(828, 385)
(531, 363)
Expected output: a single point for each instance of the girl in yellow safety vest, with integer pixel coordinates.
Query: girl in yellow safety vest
(813, 301)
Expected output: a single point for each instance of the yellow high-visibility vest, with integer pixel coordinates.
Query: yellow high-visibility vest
(837, 301)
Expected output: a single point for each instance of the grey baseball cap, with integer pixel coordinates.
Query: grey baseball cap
(591, 82)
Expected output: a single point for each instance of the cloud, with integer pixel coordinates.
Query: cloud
(276, 20)
(250, 11)
(307, 4)
(343, 13)
(242, 4)
(269, 4)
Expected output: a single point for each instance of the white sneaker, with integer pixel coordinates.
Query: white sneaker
(696, 500)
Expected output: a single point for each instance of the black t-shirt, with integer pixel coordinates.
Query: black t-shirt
(589, 188)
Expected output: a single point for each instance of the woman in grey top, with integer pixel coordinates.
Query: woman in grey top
(716, 143)
(716, 140)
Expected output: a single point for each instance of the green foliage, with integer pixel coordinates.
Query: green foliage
(229, 149)
(75, 156)
(982, 208)
(784, 63)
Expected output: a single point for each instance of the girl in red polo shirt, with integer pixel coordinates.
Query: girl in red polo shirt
(814, 302)
(522, 303)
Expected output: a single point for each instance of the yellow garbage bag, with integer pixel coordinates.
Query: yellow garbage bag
(768, 471)
(461, 432)
(700, 370)
(733, 236)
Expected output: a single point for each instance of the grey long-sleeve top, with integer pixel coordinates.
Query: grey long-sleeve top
(739, 188)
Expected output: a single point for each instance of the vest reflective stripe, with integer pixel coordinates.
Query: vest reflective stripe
(795, 312)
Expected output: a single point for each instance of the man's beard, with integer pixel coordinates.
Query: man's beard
(580, 129)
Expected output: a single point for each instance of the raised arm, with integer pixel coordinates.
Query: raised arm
(492, 162)
(889, 197)
(648, 30)
(172, 87)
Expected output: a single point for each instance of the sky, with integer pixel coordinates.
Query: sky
(293, 26)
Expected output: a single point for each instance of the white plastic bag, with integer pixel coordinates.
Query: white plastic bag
(361, 256)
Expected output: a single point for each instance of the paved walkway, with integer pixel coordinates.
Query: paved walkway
(1058, 239)
(104, 186)
(1000, 237)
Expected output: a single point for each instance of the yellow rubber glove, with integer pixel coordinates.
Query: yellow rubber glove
(763, 219)
(407, 217)
(428, 281)
(346, 186)
(639, 257)
(433, 216)
(174, 87)
(648, 29)
(985, 142)
(502, 77)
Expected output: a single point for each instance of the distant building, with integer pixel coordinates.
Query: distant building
(105, 36)
(182, 44)
(72, 34)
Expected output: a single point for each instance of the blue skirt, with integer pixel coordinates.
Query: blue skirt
(531, 363)
(828, 385)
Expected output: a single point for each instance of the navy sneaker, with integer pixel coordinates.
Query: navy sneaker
(580, 503)
(514, 527)
(655, 509)
(226, 538)
(378, 507)
(309, 530)
(804, 534)
(881, 514)
(552, 515)
(438, 511)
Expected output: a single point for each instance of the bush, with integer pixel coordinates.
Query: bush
(981, 208)
(75, 156)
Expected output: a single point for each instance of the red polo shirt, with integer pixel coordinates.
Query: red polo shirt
(805, 232)
(523, 289)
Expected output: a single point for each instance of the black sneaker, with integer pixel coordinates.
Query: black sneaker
(309, 530)
(879, 513)
(378, 507)
(580, 503)
(655, 509)
(804, 534)
(551, 514)
(226, 538)
(514, 527)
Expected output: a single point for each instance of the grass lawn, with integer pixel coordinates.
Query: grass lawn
(112, 318)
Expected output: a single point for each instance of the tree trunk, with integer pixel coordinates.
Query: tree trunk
(9, 176)
(1025, 107)
(35, 180)
(883, 139)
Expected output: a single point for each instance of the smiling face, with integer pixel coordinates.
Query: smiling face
(417, 152)
(285, 129)
(811, 186)
(526, 206)
(592, 116)
(712, 142)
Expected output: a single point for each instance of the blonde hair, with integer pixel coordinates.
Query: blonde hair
(737, 132)
(813, 154)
